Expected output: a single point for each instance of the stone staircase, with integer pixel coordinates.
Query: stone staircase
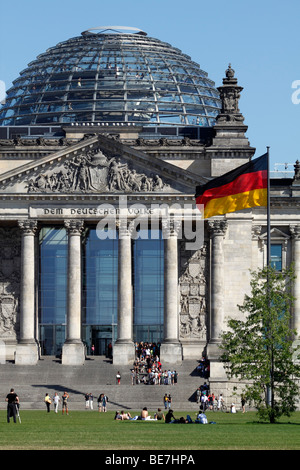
(97, 375)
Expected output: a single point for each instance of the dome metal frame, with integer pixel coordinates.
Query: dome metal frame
(107, 77)
(115, 29)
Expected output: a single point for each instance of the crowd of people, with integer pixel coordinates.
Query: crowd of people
(88, 397)
(208, 400)
(13, 404)
(56, 400)
(203, 368)
(147, 368)
(160, 416)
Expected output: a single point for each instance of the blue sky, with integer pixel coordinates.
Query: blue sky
(259, 38)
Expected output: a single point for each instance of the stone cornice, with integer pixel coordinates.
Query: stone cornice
(108, 144)
(47, 160)
(151, 197)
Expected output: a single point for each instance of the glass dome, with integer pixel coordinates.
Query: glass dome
(112, 74)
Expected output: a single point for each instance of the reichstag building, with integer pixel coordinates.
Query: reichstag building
(103, 141)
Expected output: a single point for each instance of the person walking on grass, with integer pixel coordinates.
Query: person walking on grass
(56, 400)
(65, 398)
(47, 402)
(104, 403)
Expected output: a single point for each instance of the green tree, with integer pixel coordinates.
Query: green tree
(260, 350)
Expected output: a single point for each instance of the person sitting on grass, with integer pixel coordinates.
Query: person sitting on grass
(159, 415)
(145, 414)
(125, 415)
(201, 418)
(170, 418)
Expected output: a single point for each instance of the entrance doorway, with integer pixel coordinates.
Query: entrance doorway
(101, 346)
(101, 337)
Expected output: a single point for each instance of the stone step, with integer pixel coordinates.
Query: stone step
(97, 375)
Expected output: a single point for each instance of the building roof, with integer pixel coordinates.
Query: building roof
(112, 74)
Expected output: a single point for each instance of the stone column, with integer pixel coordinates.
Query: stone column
(73, 352)
(123, 349)
(217, 229)
(27, 349)
(295, 231)
(171, 348)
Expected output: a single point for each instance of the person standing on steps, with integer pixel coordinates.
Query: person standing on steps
(118, 378)
(87, 400)
(166, 401)
(91, 401)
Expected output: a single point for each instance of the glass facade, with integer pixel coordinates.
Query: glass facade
(148, 285)
(112, 77)
(53, 262)
(99, 288)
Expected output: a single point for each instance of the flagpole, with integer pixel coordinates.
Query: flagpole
(269, 388)
(268, 211)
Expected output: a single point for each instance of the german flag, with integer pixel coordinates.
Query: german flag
(241, 188)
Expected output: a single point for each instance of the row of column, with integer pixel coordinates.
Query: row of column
(73, 349)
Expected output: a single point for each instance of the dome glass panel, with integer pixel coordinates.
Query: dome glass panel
(108, 75)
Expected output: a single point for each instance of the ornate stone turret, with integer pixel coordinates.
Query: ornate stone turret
(230, 94)
(296, 179)
(230, 147)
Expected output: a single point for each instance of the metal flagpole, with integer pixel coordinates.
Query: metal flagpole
(268, 211)
(269, 388)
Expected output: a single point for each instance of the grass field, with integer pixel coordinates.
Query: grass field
(90, 430)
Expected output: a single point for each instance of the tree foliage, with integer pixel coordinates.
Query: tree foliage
(260, 349)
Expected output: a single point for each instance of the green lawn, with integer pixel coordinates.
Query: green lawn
(87, 430)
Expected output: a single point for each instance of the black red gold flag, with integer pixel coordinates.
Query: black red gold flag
(242, 188)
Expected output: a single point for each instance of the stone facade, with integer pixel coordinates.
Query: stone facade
(67, 182)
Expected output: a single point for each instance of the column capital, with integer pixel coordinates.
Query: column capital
(125, 226)
(74, 226)
(217, 227)
(171, 227)
(295, 231)
(28, 226)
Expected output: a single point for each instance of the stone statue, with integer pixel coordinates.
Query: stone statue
(94, 172)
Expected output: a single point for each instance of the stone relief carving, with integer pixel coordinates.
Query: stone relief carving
(40, 141)
(10, 243)
(166, 142)
(95, 172)
(193, 294)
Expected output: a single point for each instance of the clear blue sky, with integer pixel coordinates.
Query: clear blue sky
(261, 39)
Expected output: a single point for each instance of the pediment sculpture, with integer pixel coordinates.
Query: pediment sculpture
(95, 172)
